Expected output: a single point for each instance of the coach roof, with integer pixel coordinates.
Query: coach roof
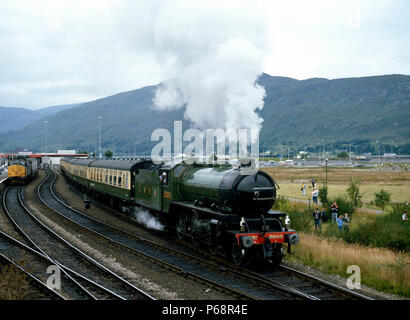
(116, 164)
(78, 161)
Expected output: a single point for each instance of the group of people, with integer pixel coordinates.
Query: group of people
(315, 192)
(342, 221)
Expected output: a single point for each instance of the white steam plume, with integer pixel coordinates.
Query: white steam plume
(146, 219)
(212, 52)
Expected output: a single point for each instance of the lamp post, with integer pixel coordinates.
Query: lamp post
(378, 143)
(99, 122)
(326, 170)
(45, 131)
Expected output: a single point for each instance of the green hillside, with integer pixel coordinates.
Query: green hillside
(296, 113)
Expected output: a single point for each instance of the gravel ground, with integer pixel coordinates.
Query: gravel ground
(159, 282)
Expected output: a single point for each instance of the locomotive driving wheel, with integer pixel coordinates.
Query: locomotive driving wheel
(181, 225)
(212, 249)
(237, 257)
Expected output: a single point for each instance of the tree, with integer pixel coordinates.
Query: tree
(108, 154)
(323, 196)
(382, 198)
(343, 155)
(353, 193)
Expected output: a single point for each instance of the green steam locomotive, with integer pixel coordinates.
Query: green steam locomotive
(225, 208)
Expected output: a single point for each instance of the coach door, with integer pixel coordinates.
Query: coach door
(165, 181)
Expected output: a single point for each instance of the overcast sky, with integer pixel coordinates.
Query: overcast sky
(60, 52)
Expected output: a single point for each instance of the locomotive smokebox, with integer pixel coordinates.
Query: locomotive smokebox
(249, 195)
(254, 193)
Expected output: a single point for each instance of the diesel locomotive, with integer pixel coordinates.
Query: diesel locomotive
(224, 208)
(21, 171)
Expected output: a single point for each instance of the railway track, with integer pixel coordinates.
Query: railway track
(312, 287)
(34, 264)
(315, 287)
(320, 288)
(93, 279)
(238, 284)
(38, 289)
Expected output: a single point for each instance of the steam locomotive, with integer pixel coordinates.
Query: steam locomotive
(224, 208)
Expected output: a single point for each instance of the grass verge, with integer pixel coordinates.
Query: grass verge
(380, 268)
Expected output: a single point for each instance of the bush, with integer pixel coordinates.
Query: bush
(382, 198)
(387, 231)
(353, 192)
(344, 204)
(299, 220)
(323, 196)
(108, 154)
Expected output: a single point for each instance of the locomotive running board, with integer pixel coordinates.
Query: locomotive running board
(277, 213)
(210, 212)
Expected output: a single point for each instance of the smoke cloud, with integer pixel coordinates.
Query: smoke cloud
(145, 218)
(212, 53)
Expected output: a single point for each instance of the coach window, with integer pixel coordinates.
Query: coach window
(106, 176)
(110, 177)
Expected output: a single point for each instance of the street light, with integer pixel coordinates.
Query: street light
(326, 170)
(99, 121)
(45, 130)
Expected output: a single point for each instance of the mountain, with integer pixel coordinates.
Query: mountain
(296, 112)
(17, 118)
(341, 109)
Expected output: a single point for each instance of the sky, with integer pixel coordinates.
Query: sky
(70, 51)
